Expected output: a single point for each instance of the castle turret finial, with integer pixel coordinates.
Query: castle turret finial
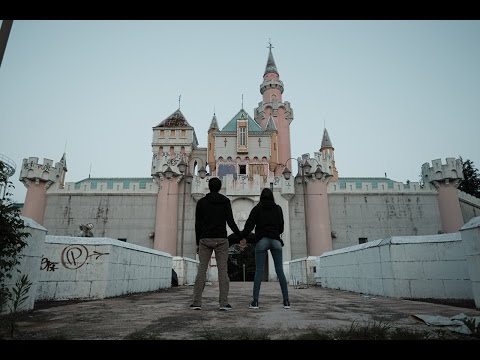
(271, 67)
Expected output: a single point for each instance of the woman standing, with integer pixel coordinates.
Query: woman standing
(267, 219)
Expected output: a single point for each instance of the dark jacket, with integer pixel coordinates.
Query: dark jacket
(267, 218)
(212, 214)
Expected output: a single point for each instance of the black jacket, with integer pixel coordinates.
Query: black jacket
(267, 218)
(212, 214)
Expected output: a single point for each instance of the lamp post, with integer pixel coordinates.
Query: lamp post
(185, 171)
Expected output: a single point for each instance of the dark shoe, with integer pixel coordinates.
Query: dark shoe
(195, 307)
(286, 304)
(253, 304)
(225, 307)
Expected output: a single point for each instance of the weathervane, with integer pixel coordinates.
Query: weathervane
(179, 98)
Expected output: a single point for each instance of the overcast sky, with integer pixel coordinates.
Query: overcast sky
(392, 94)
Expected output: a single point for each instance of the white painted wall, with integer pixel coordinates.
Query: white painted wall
(29, 264)
(430, 266)
(471, 244)
(96, 268)
(186, 270)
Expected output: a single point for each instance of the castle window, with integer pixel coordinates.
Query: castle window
(184, 134)
(172, 133)
(362, 240)
(243, 136)
(243, 169)
(162, 133)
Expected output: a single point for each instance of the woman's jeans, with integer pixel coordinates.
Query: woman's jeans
(261, 248)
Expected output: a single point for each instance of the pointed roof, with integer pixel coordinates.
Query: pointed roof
(270, 124)
(242, 114)
(326, 140)
(175, 120)
(271, 67)
(214, 123)
(63, 161)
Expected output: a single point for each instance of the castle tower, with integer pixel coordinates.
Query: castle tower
(211, 143)
(327, 149)
(280, 111)
(273, 130)
(173, 140)
(446, 179)
(37, 178)
(319, 229)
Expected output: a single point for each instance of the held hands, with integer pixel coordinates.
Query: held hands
(243, 244)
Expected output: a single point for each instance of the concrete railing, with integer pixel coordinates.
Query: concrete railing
(416, 267)
(186, 270)
(30, 259)
(301, 271)
(96, 268)
(471, 244)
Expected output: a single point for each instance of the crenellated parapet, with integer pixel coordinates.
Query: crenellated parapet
(325, 161)
(33, 171)
(446, 178)
(449, 173)
(378, 185)
(274, 83)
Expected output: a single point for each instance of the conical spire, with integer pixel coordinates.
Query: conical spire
(271, 67)
(63, 161)
(326, 140)
(214, 123)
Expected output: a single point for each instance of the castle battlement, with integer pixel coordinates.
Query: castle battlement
(125, 186)
(472, 200)
(452, 170)
(361, 185)
(47, 172)
(325, 160)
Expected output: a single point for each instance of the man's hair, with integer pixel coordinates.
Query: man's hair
(214, 184)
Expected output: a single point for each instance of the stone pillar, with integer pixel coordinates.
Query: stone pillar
(470, 233)
(35, 200)
(318, 218)
(446, 178)
(449, 205)
(167, 216)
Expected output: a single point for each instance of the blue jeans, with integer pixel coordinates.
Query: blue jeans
(261, 248)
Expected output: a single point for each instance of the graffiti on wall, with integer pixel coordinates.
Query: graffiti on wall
(75, 256)
(48, 265)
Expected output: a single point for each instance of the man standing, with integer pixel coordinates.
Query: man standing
(212, 213)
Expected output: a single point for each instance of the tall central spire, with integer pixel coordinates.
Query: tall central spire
(271, 67)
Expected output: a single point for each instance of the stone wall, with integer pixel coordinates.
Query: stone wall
(415, 267)
(96, 268)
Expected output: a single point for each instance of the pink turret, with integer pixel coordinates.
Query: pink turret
(446, 179)
(275, 108)
(38, 178)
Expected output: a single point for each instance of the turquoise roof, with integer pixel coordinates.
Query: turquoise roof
(232, 124)
(359, 180)
(116, 179)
